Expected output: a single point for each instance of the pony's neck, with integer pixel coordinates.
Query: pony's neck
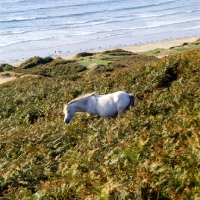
(80, 105)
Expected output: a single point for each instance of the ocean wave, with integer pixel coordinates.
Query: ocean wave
(169, 24)
(97, 13)
(175, 7)
(55, 6)
(21, 42)
(137, 30)
(21, 19)
(73, 14)
(109, 23)
(143, 6)
(149, 26)
(123, 19)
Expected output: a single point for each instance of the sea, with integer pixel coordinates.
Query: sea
(57, 28)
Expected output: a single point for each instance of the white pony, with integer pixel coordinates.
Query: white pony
(108, 105)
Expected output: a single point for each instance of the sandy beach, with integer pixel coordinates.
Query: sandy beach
(136, 48)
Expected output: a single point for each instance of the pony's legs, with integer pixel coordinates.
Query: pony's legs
(120, 112)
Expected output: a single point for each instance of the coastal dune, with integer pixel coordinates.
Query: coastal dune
(135, 49)
(150, 46)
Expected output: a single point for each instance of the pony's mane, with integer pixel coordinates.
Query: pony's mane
(82, 97)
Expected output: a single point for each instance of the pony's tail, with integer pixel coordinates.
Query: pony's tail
(132, 99)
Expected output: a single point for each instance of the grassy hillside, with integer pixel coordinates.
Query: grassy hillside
(151, 152)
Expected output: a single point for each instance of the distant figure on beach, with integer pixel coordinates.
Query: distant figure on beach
(108, 105)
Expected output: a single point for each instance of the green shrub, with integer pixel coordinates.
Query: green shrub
(5, 67)
(32, 62)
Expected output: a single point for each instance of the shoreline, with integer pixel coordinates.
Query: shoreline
(21, 52)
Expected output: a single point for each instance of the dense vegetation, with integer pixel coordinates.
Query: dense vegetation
(151, 152)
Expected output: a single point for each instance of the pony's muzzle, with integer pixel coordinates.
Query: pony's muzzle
(66, 121)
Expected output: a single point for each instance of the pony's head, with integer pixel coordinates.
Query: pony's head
(68, 112)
